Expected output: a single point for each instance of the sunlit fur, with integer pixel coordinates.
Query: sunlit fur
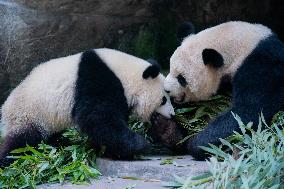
(45, 97)
(233, 40)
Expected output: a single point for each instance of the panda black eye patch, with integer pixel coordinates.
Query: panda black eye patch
(164, 101)
(181, 80)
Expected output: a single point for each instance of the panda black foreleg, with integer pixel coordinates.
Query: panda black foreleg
(30, 136)
(58, 140)
(222, 127)
(113, 133)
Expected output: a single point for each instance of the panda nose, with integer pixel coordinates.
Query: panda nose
(167, 91)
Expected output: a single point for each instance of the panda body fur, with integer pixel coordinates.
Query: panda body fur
(94, 90)
(251, 55)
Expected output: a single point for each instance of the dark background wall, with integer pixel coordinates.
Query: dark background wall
(33, 31)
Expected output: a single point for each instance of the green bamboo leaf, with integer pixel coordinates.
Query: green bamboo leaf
(200, 112)
(34, 151)
(43, 166)
(202, 176)
(20, 150)
(184, 110)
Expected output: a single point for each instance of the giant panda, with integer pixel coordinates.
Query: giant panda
(248, 56)
(95, 90)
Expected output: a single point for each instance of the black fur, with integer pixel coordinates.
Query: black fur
(213, 58)
(182, 81)
(225, 85)
(184, 30)
(258, 86)
(58, 140)
(101, 109)
(164, 101)
(152, 71)
(152, 61)
(31, 136)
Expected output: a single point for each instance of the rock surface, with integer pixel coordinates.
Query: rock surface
(110, 183)
(34, 31)
(151, 168)
(141, 174)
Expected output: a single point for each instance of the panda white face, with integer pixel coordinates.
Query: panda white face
(189, 78)
(153, 98)
(165, 108)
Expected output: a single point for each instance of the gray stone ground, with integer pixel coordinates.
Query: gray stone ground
(110, 183)
(149, 173)
(150, 168)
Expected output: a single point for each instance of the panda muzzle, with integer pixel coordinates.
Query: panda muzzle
(180, 99)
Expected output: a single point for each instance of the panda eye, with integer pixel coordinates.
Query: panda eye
(181, 80)
(164, 101)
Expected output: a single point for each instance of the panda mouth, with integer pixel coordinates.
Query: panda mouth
(180, 100)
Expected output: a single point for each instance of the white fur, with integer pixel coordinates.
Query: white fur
(233, 40)
(46, 97)
(145, 95)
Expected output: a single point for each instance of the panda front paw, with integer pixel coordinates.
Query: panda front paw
(168, 133)
(5, 162)
(195, 151)
(126, 147)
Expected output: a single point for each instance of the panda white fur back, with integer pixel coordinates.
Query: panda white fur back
(45, 97)
(248, 56)
(97, 88)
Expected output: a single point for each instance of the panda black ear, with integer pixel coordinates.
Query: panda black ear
(152, 61)
(213, 58)
(184, 30)
(152, 71)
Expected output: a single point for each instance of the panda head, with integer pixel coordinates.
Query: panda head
(142, 82)
(152, 97)
(194, 68)
(206, 59)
